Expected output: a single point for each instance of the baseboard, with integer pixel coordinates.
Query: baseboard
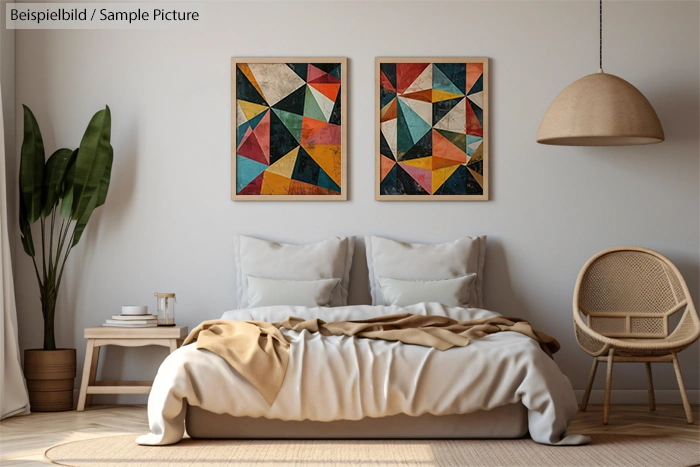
(640, 396)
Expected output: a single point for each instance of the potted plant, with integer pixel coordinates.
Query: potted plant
(59, 193)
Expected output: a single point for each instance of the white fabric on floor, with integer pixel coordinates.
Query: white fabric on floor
(13, 390)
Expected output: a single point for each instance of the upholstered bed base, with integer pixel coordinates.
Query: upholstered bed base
(509, 421)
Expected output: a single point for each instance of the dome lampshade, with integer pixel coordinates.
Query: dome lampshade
(600, 110)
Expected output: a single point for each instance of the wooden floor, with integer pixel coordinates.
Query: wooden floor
(23, 440)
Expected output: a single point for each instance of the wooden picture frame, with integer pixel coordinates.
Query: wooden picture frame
(418, 93)
(304, 126)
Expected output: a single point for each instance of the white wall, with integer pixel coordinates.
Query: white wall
(169, 220)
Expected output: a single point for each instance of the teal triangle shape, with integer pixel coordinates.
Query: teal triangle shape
(471, 140)
(247, 170)
(404, 140)
(324, 181)
(336, 72)
(416, 125)
(443, 83)
(292, 121)
(311, 108)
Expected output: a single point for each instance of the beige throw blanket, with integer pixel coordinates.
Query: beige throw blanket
(260, 352)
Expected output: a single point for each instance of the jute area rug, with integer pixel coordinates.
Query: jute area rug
(605, 450)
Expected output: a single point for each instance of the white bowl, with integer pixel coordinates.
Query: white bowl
(134, 310)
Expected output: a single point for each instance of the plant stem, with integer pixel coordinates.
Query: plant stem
(43, 248)
(53, 220)
(49, 336)
(68, 250)
(36, 270)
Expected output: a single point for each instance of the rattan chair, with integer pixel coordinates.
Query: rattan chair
(622, 303)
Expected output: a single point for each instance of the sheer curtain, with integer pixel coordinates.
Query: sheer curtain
(13, 389)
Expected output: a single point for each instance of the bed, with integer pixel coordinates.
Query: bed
(500, 386)
(258, 380)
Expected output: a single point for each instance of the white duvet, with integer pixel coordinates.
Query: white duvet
(346, 378)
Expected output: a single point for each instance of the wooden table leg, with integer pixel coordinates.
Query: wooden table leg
(173, 345)
(93, 373)
(87, 369)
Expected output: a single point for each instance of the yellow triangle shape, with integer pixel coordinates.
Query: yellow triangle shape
(328, 157)
(440, 176)
(439, 96)
(285, 165)
(422, 163)
(250, 110)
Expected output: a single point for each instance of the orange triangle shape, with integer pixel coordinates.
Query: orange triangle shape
(440, 163)
(444, 149)
(425, 96)
(309, 126)
(474, 70)
(389, 111)
(328, 157)
(274, 184)
(386, 165)
(300, 188)
(330, 90)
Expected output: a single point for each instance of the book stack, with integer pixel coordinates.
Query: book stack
(132, 321)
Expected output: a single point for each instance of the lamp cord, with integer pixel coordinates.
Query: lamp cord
(601, 34)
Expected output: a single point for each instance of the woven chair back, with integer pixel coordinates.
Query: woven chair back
(630, 293)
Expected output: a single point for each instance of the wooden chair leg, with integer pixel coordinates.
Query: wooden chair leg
(608, 386)
(87, 368)
(589, 386)
(681, 386)
(650, 387)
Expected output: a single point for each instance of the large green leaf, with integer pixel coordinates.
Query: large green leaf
(25, 229)
(91, 162)
(106, 176)
(67, 194)
(98, 199)
(31, 168)
(54, 176)
(82, 222)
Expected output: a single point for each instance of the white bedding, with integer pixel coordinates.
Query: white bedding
(339, 377)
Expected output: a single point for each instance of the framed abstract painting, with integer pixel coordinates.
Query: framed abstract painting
(431, 129)
(289, 129)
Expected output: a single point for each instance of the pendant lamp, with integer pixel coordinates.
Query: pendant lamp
(600, 110)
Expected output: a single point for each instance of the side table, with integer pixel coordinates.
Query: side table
(166, 336)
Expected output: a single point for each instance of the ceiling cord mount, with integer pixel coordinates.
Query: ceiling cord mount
(601, 35)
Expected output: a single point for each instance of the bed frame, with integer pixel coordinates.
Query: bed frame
(509, 421)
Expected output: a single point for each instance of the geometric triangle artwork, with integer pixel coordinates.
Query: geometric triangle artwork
(432, 117)
(289, 141)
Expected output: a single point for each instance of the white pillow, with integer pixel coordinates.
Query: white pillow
(417, 261)
(328, 259)
(449, 292)
(270, 292)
